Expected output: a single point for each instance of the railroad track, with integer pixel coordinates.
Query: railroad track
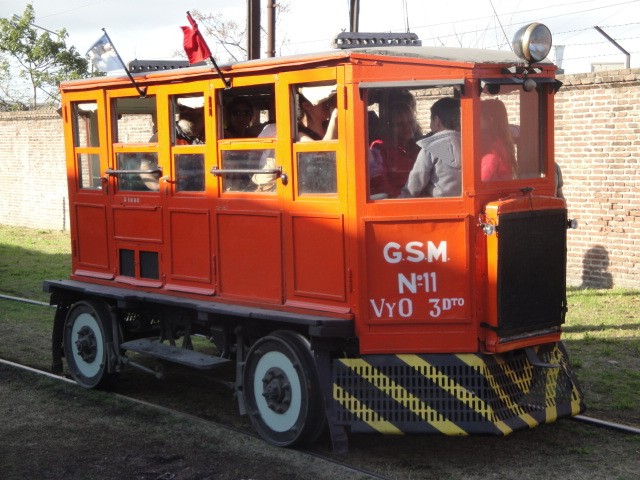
(351, 469)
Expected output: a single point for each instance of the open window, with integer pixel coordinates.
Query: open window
(316, 134)
(135, 144)
(188, 139)
(248, 133)
(403, 119)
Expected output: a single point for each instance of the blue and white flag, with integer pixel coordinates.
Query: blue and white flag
(104, 57)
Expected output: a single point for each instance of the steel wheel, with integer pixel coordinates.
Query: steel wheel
(86, 336)
(281, 390)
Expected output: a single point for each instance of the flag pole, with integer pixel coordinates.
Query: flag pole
(227, 84)
(141, 91)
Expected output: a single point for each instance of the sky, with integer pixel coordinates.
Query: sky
(149, 29)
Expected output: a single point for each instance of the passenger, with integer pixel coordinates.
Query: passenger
(317, 115)
(498, 151)
(239, 116)
(189, 130)
(437, 170)
(395, 153)
(190, 126)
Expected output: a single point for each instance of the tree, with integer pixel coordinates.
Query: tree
(33, 63)
(231, 35)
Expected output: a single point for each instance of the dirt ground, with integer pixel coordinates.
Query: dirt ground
(55, 430)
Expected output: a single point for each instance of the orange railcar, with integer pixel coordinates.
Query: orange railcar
(201, 211)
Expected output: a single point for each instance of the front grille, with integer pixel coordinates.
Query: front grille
(532, 256)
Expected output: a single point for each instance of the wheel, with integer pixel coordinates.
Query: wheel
(86, 336)
(281, 390)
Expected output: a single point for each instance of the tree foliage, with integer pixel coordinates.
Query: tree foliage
(33, 62)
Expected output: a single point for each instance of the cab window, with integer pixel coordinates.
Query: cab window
(413, 142)
(510, 146)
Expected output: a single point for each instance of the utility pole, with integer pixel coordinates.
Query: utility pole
(253, 29)
(271, 28)
(354, 15)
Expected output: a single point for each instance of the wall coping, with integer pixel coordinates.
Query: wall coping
(626, 75)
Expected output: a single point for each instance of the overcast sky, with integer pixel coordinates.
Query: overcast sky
(149, 29)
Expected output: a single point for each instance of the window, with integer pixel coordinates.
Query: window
(136, 148)
(316, 130)
(86, 141)
(248, 145)
(188, 135)
(511, 145)
(404, 122)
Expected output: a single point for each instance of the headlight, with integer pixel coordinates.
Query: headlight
(532, 42)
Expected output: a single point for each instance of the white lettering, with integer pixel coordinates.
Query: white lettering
(392, 256)
(405, 308)
(403, 282)
(415, 252)
(376, 310)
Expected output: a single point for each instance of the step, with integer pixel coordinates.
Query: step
(153, 348)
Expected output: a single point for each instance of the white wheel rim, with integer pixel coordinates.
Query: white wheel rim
(88, 369)
(278, 422)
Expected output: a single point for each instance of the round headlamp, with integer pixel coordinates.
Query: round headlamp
(532, 42)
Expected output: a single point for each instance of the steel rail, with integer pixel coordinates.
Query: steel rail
(606, 424)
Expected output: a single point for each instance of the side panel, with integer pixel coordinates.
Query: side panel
(190, 246)
(319, 257)
(250, 256)
(91, 244)
(418, 286)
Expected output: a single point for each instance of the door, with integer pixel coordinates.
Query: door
(87, 162)
(187, 148)
(135, 172)
(251, 181)
(316, 203)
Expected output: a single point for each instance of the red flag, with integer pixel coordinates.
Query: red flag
(194, 45)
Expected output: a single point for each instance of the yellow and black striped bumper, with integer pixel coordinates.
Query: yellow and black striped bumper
(454, 394)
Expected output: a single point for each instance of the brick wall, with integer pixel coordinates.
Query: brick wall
(33, 175)
(597, 146)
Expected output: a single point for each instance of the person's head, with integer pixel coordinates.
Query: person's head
(445, 114)
(239, 115)
(494, 121)
(318, 111)
(495, 128)
(402, 122)
(191, 122)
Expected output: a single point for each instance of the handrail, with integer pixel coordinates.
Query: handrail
(111, 171)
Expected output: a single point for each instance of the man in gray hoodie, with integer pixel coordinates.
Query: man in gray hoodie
(436, 172)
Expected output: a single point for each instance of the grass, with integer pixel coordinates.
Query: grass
(602, 334)
(29, 256)
(602, 330)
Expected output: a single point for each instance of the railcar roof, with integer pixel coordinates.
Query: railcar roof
(461, 56)
(449, 54)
